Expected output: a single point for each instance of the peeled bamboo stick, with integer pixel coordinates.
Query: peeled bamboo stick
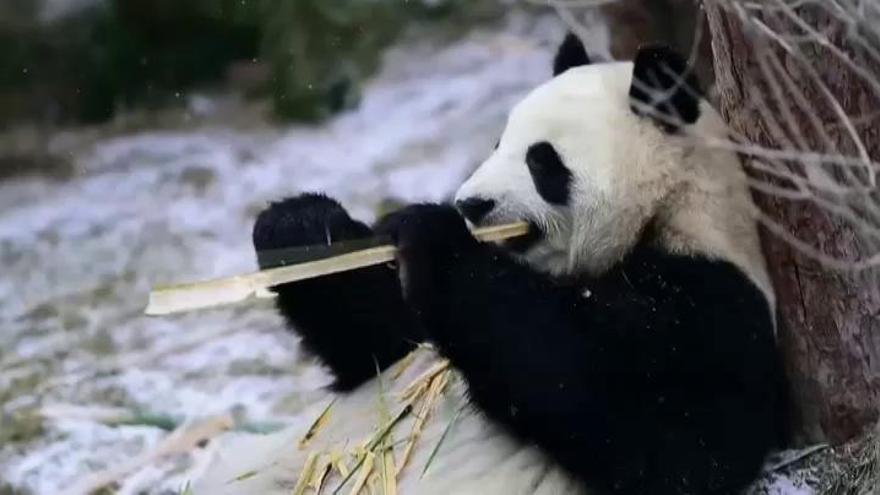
(218, 292)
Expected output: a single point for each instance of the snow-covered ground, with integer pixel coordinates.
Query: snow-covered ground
(162, 206)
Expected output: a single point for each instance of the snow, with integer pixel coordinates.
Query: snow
(783, 485)
(167, 205)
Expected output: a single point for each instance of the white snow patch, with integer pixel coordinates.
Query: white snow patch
(783, 485)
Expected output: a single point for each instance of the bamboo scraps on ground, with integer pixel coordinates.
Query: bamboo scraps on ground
(183, 439)
(201, 295)
(376, 467)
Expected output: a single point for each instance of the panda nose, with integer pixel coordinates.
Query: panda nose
(475, 209)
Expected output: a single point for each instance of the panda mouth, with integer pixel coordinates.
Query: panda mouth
(525, 242)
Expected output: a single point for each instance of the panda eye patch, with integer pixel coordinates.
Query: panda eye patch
(551, 177)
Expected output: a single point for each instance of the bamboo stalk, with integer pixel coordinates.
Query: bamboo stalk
(363, 474)
(438, 383)
(305, 476)
(230, 290)
(319, 423)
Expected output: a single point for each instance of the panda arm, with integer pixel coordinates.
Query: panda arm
(355, 322)
(513, 334)
(620, 388)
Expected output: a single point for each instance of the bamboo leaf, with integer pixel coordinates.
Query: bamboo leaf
(442, 439)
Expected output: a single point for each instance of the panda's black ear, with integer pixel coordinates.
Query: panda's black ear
(571, 54)
(664, 88)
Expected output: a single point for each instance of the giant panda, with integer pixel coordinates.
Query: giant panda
(624, 346)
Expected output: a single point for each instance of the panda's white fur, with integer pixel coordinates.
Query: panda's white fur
(626, 171)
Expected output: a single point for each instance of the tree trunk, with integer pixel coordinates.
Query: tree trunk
(770, 68)
(676, 23)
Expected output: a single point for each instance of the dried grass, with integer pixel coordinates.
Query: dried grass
(859, 473)
(375, 463)
(319, 423)
(183, 439)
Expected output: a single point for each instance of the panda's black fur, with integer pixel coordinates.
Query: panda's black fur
(659, 376)
(355, 321)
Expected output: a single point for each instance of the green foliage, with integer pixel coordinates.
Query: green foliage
(125, 52)
(146, 52)
(319, 50)
(20, 427)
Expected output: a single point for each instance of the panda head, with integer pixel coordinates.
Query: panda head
(601, 151)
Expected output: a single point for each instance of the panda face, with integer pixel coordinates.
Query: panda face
(587, 159)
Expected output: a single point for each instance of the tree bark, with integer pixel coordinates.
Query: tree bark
(829, 320)
(676, 23)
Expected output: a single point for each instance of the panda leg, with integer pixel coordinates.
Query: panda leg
(356, 322)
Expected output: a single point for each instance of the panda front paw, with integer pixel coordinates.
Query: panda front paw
(304, 220)
(429, 238)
